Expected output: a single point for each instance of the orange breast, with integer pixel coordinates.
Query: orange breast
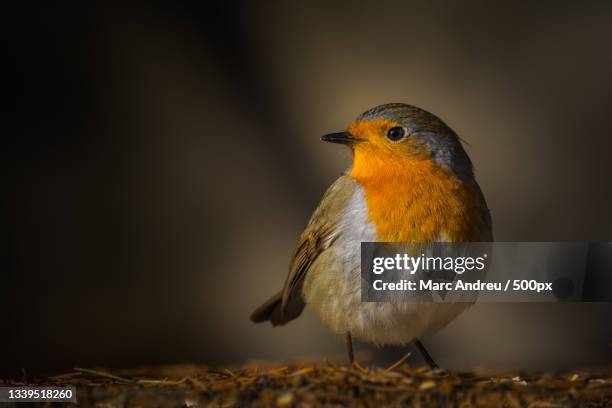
(418, 201)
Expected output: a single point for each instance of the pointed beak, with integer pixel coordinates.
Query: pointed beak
(340, 137)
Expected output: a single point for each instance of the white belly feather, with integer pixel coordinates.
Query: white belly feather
(332, 288)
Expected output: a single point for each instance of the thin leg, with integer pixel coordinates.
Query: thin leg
(349, 347)
(430, 361)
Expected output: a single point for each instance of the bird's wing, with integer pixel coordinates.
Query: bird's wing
(308, 249)
(322, 230)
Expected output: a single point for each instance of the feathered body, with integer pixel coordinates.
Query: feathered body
(417, 189)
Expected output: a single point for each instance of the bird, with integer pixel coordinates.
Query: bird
(411, 181)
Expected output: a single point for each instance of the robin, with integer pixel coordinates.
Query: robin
(411, 181)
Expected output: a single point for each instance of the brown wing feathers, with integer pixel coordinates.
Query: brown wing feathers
(287, 304)
(320, 233)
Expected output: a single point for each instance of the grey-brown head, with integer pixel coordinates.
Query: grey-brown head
(401, 130)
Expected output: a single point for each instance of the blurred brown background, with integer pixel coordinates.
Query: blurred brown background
(163, 160)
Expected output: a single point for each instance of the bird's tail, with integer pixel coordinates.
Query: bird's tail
(268, 310)
(271, 310)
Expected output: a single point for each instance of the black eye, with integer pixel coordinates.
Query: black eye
(396, 133)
